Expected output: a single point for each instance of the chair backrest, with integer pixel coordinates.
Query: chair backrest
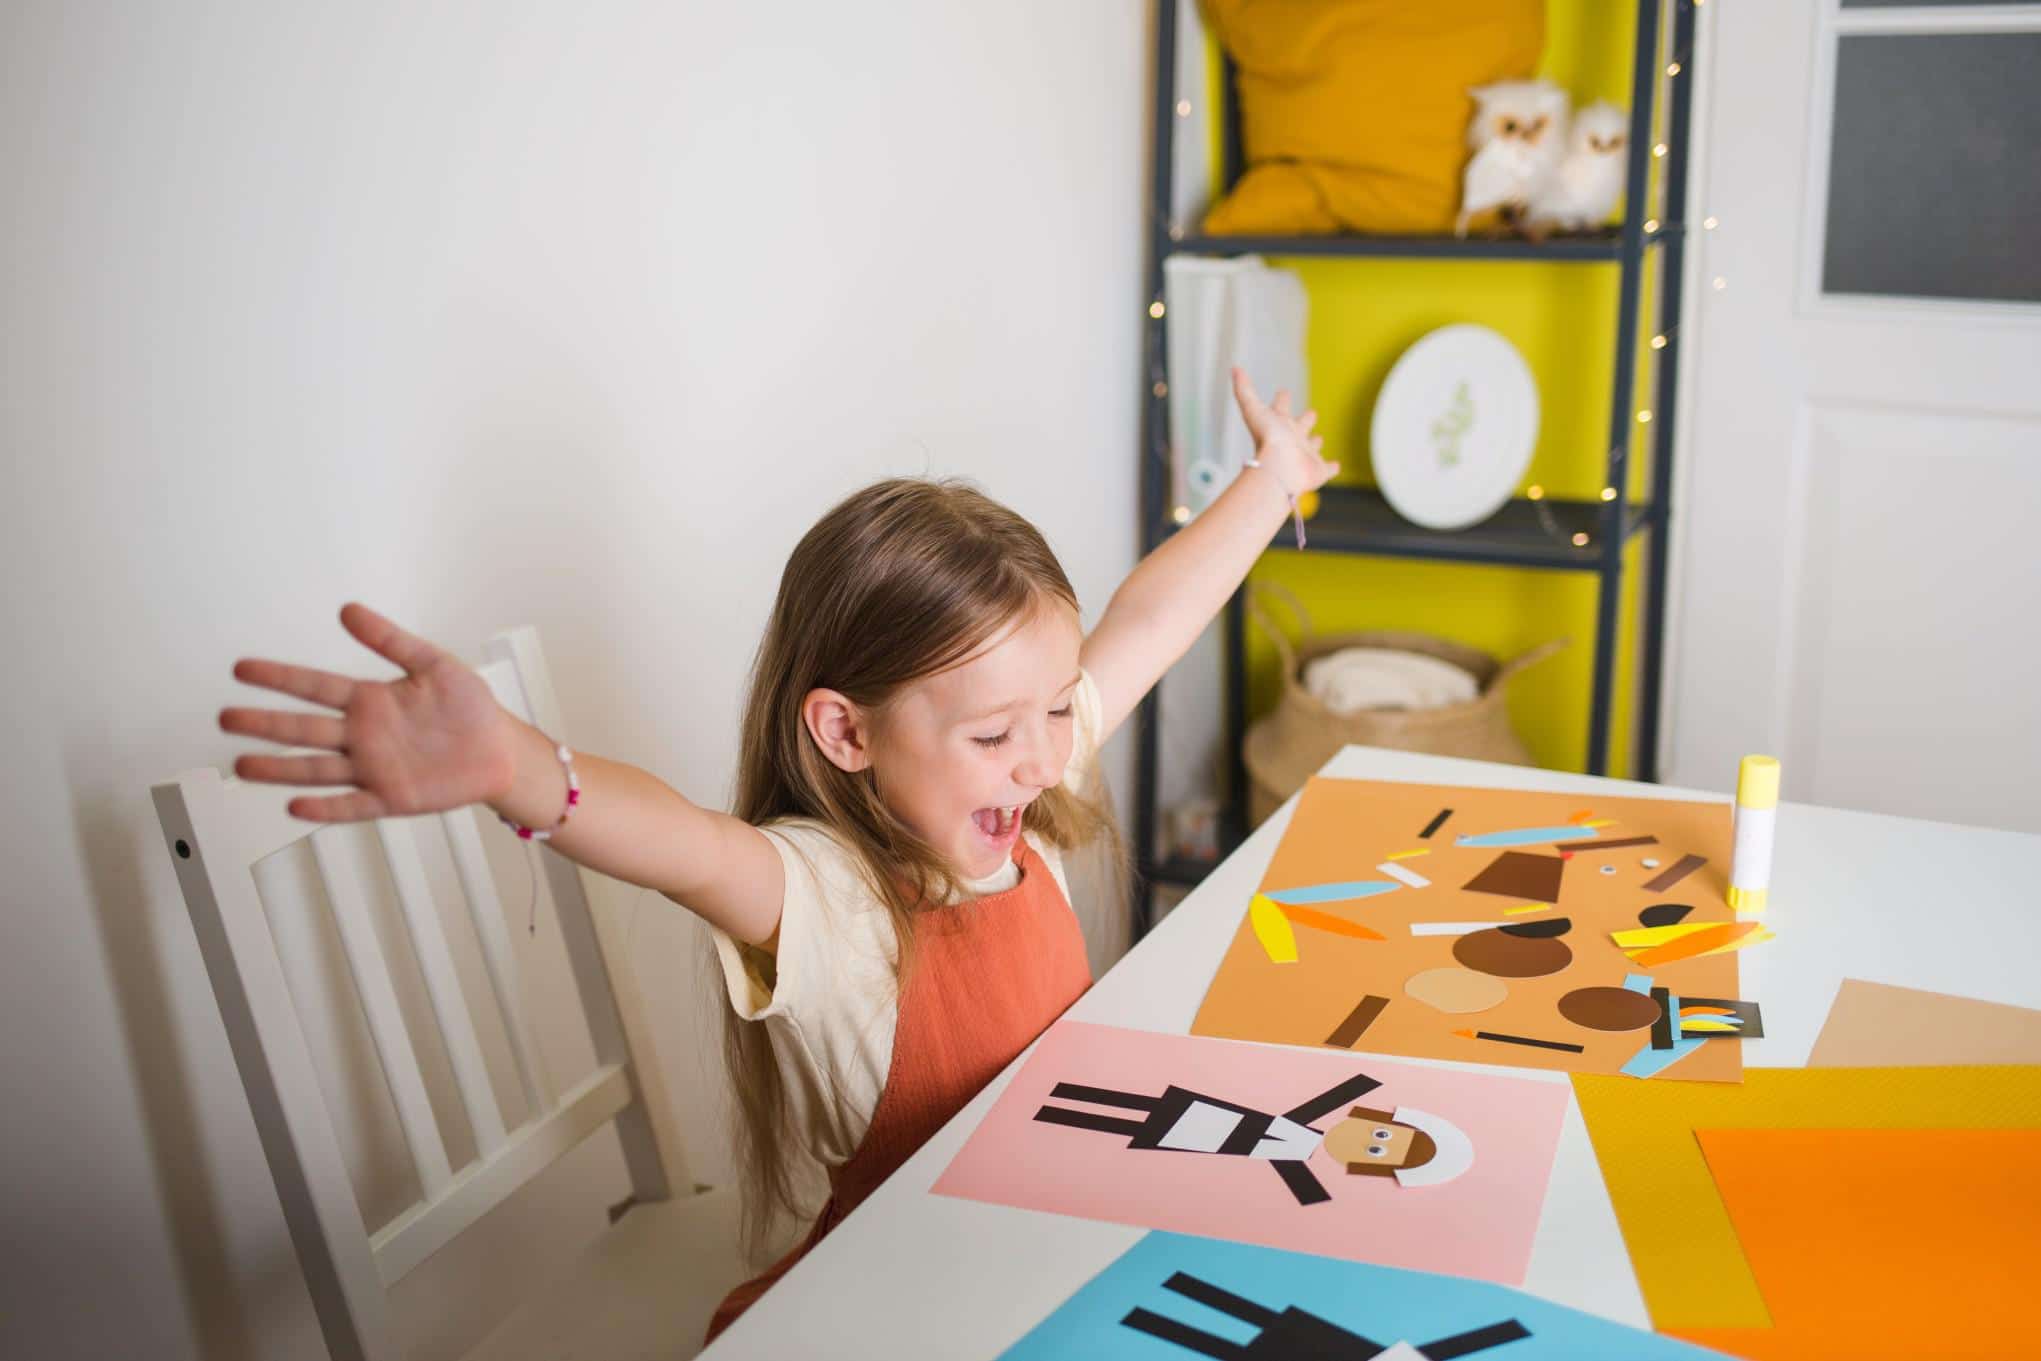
(219, 829)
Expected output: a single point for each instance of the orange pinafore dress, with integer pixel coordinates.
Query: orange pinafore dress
(987, 977)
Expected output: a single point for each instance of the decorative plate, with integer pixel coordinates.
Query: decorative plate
(1454, 427)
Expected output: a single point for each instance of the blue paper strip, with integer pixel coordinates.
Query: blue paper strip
(1333, 893)
(1528, 836)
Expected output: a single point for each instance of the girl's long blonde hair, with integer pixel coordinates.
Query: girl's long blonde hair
(901, 580)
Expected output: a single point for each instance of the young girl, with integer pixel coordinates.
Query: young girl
(888, 901)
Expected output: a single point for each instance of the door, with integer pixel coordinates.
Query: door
(1858, 529)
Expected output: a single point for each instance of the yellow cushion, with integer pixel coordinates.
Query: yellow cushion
(1354, 113)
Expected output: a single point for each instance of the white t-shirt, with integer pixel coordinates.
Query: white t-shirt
(832, 1004)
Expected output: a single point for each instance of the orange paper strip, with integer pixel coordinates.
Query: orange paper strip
(1722, 936)
(1325, 921)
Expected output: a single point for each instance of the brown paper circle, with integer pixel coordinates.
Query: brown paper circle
(1456, 990)
(1608, 1008)
(1510, 956)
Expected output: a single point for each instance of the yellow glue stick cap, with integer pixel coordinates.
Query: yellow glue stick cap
(1757, 782)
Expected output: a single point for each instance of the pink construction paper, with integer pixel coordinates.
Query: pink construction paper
(1479, 1224)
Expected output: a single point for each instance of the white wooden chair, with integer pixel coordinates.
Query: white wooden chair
(648, 1284)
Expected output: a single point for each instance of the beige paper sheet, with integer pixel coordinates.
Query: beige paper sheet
(1878, 1025)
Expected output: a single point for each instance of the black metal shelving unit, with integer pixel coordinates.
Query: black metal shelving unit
(1529, 531)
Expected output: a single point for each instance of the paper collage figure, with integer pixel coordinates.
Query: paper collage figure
(1294, 1332)
(1177, 1298)
(1365, 1159)
(1495, 926)
(1415, 1148)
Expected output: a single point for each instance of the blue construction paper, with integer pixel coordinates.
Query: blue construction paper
(1638, 982)
(1528, 836)
(1333, 893)
(1382, 1304)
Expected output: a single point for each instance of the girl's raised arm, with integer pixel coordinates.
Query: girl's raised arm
(1169, 597)
(436, 739)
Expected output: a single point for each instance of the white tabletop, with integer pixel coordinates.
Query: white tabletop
(1854, 895)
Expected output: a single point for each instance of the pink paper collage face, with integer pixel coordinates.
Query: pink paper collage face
(1258, 1143)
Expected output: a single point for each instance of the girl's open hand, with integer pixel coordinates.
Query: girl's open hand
(432, 740)
(1283, 443)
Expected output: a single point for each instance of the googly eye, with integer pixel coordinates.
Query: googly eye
(1608, 869)
(1376, 1150)
(1381, 1134)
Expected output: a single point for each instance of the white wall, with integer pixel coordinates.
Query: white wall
(484, 314)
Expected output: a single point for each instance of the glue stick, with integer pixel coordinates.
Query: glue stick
(1757, 811)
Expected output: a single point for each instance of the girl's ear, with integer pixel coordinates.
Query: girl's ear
(838, 727)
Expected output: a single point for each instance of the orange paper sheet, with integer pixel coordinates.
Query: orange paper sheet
(1680, 1236)
(1343, 830)
(1870, 1243)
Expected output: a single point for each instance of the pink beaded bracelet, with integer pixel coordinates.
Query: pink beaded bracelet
(573, 798)
(1296, 514)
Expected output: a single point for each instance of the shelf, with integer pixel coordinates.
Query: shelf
(1523, 533)
(1359, 520)
(1601, 246)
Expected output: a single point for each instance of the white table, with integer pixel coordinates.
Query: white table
(1854, 895)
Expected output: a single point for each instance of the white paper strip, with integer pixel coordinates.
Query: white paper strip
(1396, 871)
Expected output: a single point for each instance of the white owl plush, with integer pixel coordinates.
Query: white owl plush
(1517, 136)
(1588, 183)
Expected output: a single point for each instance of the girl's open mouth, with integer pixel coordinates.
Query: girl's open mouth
(999, 826)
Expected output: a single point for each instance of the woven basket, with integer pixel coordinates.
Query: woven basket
(1287, 747)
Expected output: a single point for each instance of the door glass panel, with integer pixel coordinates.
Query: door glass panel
(1924, 4)
(1934, 185)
